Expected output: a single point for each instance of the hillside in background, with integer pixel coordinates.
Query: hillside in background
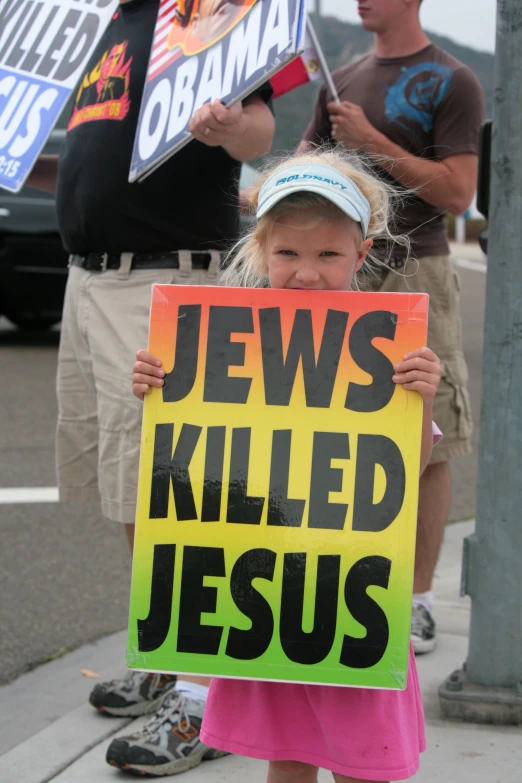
(343, 42)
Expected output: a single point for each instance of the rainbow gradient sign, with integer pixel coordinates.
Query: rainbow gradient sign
(278, 487)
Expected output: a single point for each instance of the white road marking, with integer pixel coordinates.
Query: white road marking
(474, 266)
(29, 495)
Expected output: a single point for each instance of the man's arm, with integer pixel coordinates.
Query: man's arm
(245, 130)
(449, 184)
(44, 173)
(258, 131)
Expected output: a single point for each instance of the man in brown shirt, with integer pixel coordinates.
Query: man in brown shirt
(416, 111)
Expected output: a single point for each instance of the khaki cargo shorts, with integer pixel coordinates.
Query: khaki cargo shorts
(105, 321)
(434, 275)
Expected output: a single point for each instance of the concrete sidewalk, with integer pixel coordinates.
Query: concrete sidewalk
(48, 732)
(471, 251)
(469, 255)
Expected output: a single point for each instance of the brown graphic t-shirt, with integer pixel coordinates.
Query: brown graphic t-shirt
(428, 103)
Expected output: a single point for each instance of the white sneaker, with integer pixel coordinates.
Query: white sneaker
(423, 631)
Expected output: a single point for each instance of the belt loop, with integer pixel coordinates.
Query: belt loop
(185, 263)
(125, 265)
(214, 265)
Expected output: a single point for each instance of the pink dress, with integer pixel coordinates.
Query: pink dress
(357, 732)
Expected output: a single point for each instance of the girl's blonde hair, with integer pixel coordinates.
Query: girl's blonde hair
(246, 264)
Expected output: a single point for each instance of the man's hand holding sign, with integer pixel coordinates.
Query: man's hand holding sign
(244, 130)
(215, 124)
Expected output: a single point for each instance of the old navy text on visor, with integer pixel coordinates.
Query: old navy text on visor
(325, 181)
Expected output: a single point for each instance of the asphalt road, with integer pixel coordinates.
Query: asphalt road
(64, 570)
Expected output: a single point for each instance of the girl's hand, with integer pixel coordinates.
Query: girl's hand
(420, 371)
(146, 373)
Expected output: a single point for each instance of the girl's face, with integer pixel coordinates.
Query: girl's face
(323, 258)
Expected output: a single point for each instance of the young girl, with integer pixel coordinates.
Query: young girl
(317, 218)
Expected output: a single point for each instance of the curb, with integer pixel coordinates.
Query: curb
(58, 746)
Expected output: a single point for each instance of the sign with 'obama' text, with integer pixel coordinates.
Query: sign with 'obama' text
(203, 51)
(278, 487)
(43, 48)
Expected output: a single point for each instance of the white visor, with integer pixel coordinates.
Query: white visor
(316, 178)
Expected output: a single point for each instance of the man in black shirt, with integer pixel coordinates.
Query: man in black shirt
(122, 238)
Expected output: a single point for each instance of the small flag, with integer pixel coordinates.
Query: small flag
(309, 66)
(305, 68)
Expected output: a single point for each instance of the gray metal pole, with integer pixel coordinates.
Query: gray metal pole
(489, 688)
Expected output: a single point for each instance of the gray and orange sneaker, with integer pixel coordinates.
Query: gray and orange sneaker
(168, 744)
(138, 693)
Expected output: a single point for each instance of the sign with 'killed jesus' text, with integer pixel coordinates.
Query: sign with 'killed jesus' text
(43, 48)
(278, 487)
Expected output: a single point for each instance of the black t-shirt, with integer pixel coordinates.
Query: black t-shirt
(98, 209)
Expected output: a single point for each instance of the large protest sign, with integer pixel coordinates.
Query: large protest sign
(202, 52)
(278, 487)
(43, 48)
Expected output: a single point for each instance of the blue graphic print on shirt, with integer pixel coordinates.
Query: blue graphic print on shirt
(417, 93)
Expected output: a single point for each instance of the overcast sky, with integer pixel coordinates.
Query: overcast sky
(470, 22)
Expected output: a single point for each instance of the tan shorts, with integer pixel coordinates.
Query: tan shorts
(434, 275)
(105, 321)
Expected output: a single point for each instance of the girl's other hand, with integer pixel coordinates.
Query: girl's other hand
(420, 371)
(146, 373)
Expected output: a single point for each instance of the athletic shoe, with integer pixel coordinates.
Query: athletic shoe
(167, 744)
(423, 635)
(138, 693)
